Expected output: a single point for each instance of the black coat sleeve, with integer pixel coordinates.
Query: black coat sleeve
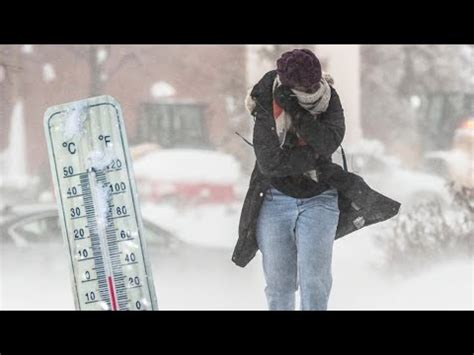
(325, 132)
(274, 161)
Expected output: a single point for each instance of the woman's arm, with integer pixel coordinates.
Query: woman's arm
(274, 161)
(323, 133)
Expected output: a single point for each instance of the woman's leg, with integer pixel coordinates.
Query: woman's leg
(276, 241)
(315, 232)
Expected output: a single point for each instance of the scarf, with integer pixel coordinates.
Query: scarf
(316, 103)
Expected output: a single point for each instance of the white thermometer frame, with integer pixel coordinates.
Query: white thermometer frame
(89, 102)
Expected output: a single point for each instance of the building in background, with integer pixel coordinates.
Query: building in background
(189, 96)
(171, 95)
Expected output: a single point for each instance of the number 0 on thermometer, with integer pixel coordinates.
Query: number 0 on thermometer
(98, 206)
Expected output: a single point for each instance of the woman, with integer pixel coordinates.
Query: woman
(298, 201)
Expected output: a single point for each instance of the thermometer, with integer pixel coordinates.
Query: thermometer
(98, 206)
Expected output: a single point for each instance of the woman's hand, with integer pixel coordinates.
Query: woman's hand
(286, 99)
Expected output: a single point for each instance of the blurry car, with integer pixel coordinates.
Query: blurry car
(386, 174)
(187, 176)
(27, 225)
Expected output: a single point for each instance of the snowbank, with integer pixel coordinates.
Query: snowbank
(187, 165)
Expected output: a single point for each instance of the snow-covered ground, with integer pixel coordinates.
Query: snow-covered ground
(212, 226)
(198, 277)
(360, 283)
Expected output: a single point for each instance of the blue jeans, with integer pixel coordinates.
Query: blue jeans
(295, 237)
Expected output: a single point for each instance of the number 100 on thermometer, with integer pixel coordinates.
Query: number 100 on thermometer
(98, 206)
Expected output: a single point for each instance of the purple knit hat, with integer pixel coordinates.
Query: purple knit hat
(299, 68)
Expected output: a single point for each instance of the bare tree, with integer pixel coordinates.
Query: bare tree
(394, 77)
(98, 73)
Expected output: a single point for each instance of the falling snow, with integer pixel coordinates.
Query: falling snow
(101, 55)
(27, 49)
(162, 89)
(49, 73)
(2, 73)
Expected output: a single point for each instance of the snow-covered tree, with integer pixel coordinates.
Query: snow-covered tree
(430, 232)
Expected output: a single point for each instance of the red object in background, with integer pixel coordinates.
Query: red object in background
(467, 124)
(204, 192)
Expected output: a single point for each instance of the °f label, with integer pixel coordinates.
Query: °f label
(98, 206)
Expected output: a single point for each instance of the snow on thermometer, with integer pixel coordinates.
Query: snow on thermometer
(98, 205)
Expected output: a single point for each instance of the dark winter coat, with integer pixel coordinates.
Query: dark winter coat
(359, 205)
